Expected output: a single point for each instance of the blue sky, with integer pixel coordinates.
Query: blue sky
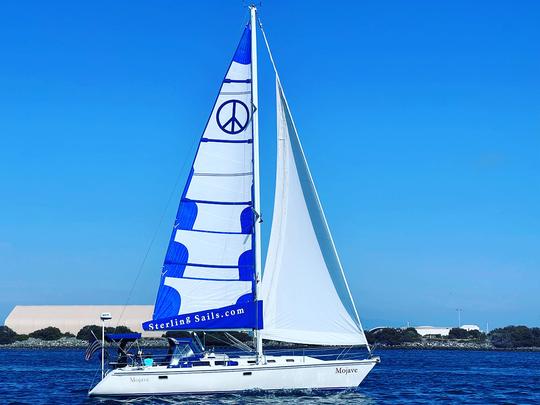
(420, 121)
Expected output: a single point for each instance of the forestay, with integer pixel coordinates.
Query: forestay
(208, 280)
(306, 298)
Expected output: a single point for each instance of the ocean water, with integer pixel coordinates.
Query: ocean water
(62, 376)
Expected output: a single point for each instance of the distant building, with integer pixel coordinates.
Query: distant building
(432, 330)
(71, 318)
(470, 327)
(441, 330)
(377, 328)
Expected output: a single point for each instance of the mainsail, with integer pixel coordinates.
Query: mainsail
(305, 294)
(208, 278)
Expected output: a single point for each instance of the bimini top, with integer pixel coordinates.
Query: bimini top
(115, 337)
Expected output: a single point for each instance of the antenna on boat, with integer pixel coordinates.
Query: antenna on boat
(105, 316)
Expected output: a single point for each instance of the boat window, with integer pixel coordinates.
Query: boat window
(290, 360)
(200, 363)
(225, 363)
(271, 361)
(252, 361)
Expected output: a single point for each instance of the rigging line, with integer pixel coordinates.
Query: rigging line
(238, 343)
(215, 336)
(156, 231)
(313, 184)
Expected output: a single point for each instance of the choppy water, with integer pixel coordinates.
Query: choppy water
(404, 376)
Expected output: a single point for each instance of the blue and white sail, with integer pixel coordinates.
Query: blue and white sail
(208, 278)
(305, 293)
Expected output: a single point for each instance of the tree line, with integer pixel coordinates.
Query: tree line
(509, 337)
(8, 336)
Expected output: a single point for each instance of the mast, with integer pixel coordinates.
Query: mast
(256, 174)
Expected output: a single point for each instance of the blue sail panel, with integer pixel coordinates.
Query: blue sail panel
(209, 267)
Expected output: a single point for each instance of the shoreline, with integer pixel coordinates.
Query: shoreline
(73, 343)
(454, 348)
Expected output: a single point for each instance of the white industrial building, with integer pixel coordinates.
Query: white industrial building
(441, 330)
(432, 330)
(25, 319)
(470, 327)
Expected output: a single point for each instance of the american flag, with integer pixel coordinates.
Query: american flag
(93, 346)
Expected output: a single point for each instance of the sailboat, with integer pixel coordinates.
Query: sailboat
(211, 276)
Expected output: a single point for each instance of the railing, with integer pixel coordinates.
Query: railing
(323, 353)
(328, 353)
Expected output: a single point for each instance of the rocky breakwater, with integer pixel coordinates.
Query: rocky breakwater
(438, 345)
(71, 343)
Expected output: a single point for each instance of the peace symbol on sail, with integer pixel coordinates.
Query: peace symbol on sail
(232, 116)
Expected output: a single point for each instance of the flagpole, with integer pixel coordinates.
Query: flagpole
(102, 348)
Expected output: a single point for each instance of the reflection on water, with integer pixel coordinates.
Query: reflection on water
(248, 398)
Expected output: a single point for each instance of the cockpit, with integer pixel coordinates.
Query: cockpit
(181, 352)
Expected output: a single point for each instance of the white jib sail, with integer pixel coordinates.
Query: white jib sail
(305, 295)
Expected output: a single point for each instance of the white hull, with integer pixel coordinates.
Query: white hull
(283, 373)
